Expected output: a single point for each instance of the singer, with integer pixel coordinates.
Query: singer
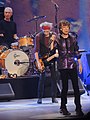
(45, 46)
(67, 66)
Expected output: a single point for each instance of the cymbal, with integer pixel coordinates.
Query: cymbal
(36, 18)
(82, 50)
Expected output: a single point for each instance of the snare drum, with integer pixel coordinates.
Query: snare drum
(14, 45)
(15, 61)
(25, 41)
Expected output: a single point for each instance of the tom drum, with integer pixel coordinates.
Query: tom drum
(25, 41)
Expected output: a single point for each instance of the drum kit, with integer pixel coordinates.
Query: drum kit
(19, 60)
(16, 61)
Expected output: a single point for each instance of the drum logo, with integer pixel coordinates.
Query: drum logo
(16, 55)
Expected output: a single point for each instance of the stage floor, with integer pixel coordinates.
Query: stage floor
(28, 109)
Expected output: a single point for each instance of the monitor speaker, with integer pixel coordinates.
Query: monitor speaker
(6, 91)
(70, 87)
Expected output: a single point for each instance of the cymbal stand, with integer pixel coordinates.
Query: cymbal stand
(36, 25)
(56, 10)
(56, 26)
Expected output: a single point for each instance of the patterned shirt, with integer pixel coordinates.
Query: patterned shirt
(68, 50)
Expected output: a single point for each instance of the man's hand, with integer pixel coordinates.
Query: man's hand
(41, 66)
(56, 54)
(53, 37)
(1, 35)
(80, 68)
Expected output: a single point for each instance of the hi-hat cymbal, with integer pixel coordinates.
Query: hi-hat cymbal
(82, 50)
(36, 18)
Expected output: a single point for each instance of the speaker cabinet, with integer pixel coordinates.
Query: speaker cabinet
(6, 91)
(70, 87)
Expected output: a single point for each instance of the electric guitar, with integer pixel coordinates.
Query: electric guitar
(45, 61)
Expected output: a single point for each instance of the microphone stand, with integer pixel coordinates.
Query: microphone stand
(56, 30)
(36, 26)
(56, 20)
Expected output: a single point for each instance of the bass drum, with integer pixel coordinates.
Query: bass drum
(15, 61)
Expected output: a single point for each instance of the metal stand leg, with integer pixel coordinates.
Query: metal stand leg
(86, 89)
(31, 70)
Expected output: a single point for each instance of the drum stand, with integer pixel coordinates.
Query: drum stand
(31, 70)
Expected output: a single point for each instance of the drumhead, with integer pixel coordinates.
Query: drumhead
(14, 68)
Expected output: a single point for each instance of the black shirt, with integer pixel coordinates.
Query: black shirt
(8, 28)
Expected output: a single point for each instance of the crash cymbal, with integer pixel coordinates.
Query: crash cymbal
(36, 18)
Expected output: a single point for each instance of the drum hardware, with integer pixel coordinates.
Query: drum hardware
(3, 48)
(17, 62)
(12, 75)
(14, 45)
(31, 35)
(31, 62)
(36, 18)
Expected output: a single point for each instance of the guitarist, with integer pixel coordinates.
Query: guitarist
(44, 45)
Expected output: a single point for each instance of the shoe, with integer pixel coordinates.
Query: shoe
(54, 100)
(64, 111)
(39, 101)
(79, 113)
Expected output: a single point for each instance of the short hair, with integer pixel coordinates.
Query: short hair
(8, 9)
(64, 23)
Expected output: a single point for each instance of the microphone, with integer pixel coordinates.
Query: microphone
(56, 5)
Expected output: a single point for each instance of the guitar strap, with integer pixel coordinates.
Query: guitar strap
(50, 41)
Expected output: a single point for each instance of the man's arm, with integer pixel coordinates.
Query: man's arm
(80, 66)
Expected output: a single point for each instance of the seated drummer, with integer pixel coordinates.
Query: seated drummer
(8, 29)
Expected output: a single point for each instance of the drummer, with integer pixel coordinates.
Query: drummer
(8, 29)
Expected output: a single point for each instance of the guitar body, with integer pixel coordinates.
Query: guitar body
(45, 61)
(42, 65)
